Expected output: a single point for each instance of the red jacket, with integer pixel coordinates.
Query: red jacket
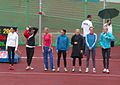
(30, 38)
(27, 35)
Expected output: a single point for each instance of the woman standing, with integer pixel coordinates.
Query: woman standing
(108, 24)
(62, 46)
(47, 49)
(11, 46)
(77, 49)
(91, 40)
(105, 42)
(29, 34)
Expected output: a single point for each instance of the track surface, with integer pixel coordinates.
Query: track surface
(38, 77)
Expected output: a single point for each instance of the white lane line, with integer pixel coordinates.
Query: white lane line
(70, 58)
(61, 74)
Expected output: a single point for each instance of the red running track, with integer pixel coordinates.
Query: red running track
(38, 77)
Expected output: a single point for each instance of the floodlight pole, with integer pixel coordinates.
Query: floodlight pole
(104, 6)
(40, 23)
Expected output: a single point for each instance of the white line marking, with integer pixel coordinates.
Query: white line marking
(71, 58)
(62, 74)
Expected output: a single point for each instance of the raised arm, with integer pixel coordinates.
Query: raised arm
(26, 33)
(36, 30)
(110, 36)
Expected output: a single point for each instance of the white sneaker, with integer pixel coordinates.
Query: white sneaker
(53, 70)
(27, 68)
(87, 70)
(104, 70)
(31, 68)
(107, 71)
(65, 69)
(94, 70)
(45, 69)
(80, 69)
(58, 69)
(73, 70)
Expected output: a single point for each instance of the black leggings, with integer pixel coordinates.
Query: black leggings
(106, 56)
(80, 61)
(11, 50)
(30, 53)
(64, 58)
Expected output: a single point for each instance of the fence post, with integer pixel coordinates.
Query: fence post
(40, 23)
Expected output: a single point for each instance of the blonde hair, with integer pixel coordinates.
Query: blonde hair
(77, 30)
(46, 28)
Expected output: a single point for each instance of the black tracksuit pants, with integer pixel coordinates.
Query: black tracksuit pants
(11, 55)
(30, 53)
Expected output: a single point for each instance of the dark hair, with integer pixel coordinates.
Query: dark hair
(14, 28)
(30, 28)
(89, 16)
(91, 27)
(108, 20)
(64, 30)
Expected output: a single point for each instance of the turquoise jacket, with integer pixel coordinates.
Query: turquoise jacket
(62, 43)
(105, 40)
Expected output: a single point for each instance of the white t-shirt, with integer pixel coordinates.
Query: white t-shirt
(12, 40)
(86, 24)
(109, 27)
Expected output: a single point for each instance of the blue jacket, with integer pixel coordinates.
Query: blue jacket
(91, 40)
(105, 40)
(62, 43)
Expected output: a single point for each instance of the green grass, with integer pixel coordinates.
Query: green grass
(58, 14)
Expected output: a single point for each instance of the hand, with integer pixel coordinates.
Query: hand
(15, 50)
(27, 28)
(104, 35)
(90, 48)
(81, 51)
(67, 52)
(42, 51)
(49, 49)
(57, 51)
(6, 49)
(75, 42)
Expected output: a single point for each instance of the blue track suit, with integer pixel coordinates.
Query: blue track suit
(62, 42)
(91, 40)
(105, 42)
(62, 45)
